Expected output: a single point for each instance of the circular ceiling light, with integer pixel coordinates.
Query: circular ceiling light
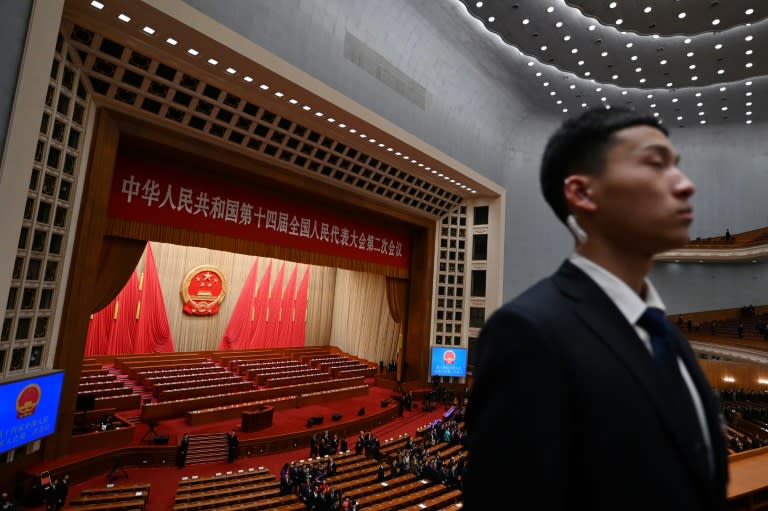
(681, 15)
(558, 24)
(604, 54)
(715, 22)
(718, 46)
(619, 21)
(749, 11)
(550, 9)
(647, 9)
(612, 5)
(526, 21)
(591, 28)
(629, 45)
(687, 41)
(675, 100)
(663, 62)
(748, 38)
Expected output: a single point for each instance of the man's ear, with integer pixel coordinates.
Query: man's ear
(578, 193)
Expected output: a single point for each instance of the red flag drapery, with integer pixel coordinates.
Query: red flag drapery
(153, 333)
(239, 331)
(260, 305)
(113, 329)
(286, 310)
(274, 310)
(299, 320)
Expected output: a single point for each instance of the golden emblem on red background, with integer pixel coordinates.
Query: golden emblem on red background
(27, 400)
(202, 290)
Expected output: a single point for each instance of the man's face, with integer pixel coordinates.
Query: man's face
(641, 196)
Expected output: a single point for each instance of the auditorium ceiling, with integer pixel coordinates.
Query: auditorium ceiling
(689, 62)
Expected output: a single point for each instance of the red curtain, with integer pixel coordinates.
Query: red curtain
(299, 320)
(237, 335)
(153, 333)
(260, 305)
(273, 313)
(113, 329)
(286, 310)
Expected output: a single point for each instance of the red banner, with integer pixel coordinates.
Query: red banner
(164, 194)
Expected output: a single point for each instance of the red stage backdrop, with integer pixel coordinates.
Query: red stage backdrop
(161, 193)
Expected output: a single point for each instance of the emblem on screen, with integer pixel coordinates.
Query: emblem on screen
(449, 357)
(27, 401)
(202, 290)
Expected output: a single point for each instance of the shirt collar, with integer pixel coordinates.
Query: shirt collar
(624, 297)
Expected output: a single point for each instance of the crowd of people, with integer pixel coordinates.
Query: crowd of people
(740, 406)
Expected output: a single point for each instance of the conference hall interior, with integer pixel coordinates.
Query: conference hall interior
(250, 239)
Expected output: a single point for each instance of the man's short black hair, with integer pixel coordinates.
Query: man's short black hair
(579, 145)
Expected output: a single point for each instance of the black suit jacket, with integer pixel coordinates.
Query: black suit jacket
(565, 411)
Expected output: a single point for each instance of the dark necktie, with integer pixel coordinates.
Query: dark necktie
(675, 391)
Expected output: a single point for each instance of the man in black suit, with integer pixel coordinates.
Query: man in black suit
(572, 396)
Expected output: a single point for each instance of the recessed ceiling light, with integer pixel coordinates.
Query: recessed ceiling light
(530, 63)
(583, 105)
(293, 101)
(567, 38)
(681, 15)
(748, 64)
(619, 21)
(692, 66)
(352, 130)
(748, 84)
(724, 108)
(581, 62)
(749, 11)
(614, 77)
(749, 121)
(124, 18)
(479, 4)
(612, 5)
(638, 69)
(699, 104)
(655, 114)
(603, 99)
(264, 86)
(647, 10)
(669, 84)
(748, 38)
(148, 30)
(172, 41)
(604, 54)
(213, 62)
(748, 52)
(723, 89)
(720, 71)
(679, 117)
(193, 51)
(491, 19)
(689, 54)
(232, 70)
(572, 86)
(715, 21)
(675, 100)
(748, 94)
(698, 94)
(629, 45)
(559, 101)
(575, 50)
(544, 48)
(599, 89)
(649, 96)
(702, 121)
(558, 24)
(591, 28)
(748, 103)
(553, 93)
(565, 110)
(623, 93)
(749, 113)
(663, 62)
(97, 5)
(538, 74)
(306, 108)
(718, 46)
(633, 57)
(280, 94)
(249, 80)
(319, 114)
(331, 119)
(687, 41)
(701, 113)
(550, 9)
(653, 105)
(587, 73)
(526, 21)
(545, 84)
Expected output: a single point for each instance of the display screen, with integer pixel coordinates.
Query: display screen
(449, 362)
(28, 409)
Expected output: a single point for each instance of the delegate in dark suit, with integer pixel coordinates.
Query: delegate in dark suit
(571, 406)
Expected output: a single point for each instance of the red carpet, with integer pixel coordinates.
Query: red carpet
(164, 480)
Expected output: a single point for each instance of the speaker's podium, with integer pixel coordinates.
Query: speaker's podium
(254, 420)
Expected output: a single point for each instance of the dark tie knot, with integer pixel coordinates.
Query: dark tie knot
(654, 321)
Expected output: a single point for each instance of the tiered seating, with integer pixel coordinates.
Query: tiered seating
(253, 489)
(111, 498)
(106, 388)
